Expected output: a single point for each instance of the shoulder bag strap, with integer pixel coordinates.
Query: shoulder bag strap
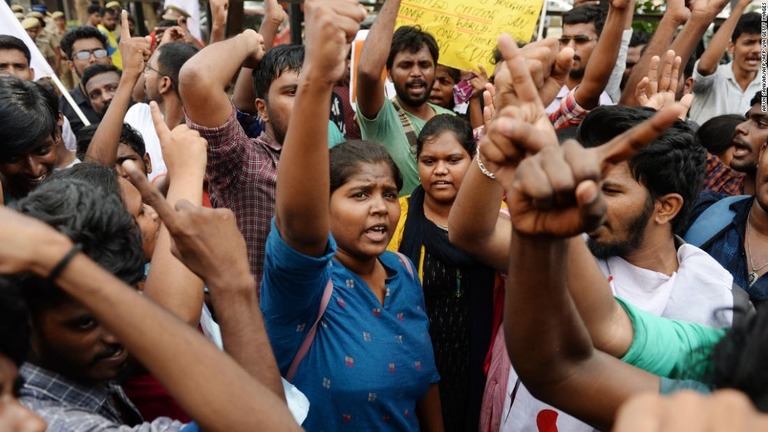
(410, 133)
(304, 348)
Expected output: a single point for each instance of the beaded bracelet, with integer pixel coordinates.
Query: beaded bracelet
(482, 167)
(56, 272)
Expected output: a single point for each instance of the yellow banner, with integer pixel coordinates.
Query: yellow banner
(467, 30)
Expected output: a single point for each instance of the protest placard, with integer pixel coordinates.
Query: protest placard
(467, 30)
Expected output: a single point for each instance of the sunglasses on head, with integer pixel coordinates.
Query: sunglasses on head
(579, 39)
(86, 54)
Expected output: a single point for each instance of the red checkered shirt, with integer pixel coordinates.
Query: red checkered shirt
(722, 178)
(569, 113)
(242, 173)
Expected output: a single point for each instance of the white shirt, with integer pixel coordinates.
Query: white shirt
(719, 93)
(700, 292)
(139, 117)
(604, 99)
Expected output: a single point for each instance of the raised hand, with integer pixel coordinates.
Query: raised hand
(206, 240)
(677, 11)
(659, 88)
(330, 25)
(518, 128)
(706, 9)
(489, 110)
(135, 50)
(257, 49)
(479, 81)
(184, 150)
(547, 65)
(274, 12)
(556, 191)
(172, 34)
(219, 10)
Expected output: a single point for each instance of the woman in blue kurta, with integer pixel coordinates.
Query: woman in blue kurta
(370, 364)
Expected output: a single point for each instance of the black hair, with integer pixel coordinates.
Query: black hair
(50, 96)
(497, 57)
(411, 39)
(128, 135)
(78, 33)
(748, 23)
(91, 217)
(278, 60)
(84, 138)
(8, 42)
(96, 175)
(688, 69)
(172, 57)
(347, 157)
(14, 324)
(716, 134)
(166, 23)
(454, 73)
(585, 15)
(639, 37)
(673, 163)
(92, 9)
(28, 118)
(756, 99)
(738, 360)
(438, 124)
(96, 69)
(111, 11)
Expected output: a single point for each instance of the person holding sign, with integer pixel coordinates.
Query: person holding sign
(410, 62)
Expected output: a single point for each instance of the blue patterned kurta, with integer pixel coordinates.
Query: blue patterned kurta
(369, 363)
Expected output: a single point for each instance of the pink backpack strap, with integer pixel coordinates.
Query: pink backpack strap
(304, 348)
(405, 262)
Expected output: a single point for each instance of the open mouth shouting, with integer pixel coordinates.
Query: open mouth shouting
(378, 233)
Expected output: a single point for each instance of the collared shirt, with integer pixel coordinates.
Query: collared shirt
(728, 248)
(242, 173)
(386, 128)
(85, 106)
(719, 93)
(721, 178)
(71, 406)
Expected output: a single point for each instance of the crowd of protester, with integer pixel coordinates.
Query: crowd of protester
(211, 235)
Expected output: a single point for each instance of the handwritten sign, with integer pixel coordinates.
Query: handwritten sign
(467, 30)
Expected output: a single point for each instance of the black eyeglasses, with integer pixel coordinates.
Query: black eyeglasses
(86, 54)
(149, 68)
(578, 39)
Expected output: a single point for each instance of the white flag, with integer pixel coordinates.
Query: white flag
(10, 25)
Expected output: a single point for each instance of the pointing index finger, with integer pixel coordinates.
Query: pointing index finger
(150, 195)
(157, 118)
(125, 32)
(518, 69)
(625, 145)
